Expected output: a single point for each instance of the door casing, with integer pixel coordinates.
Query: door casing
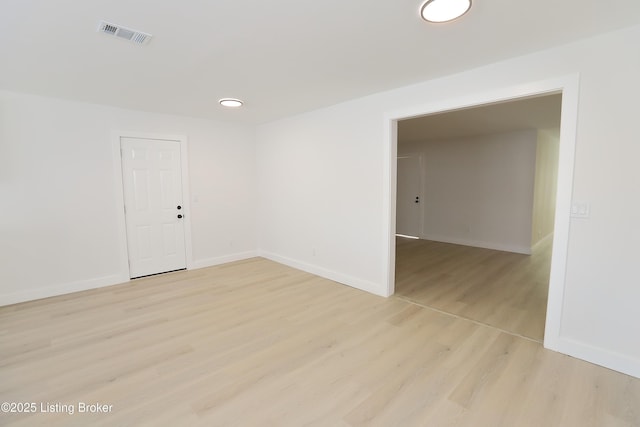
(116, 137)
(569, 87)
(151, 179)
(418, 232)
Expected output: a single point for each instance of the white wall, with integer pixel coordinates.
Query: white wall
(321, 185)
(318, 197)
(478, 191)
(58, 222)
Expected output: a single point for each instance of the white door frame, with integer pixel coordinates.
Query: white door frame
(421, 175)
(569, 86)
(119, 192)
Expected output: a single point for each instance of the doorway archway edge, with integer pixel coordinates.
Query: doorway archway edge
(569, 87)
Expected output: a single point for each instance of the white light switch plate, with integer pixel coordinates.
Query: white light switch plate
(580, 210)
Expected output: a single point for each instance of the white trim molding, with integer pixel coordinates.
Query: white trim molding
(569, 87)
(210, 262)
(525, 250)
(344, 279)
(61, 289)
(116, 137)
(600, 356)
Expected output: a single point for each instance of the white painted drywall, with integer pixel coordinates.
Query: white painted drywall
(318, 198)
(321, 186)
(58, 221)
(478, 191)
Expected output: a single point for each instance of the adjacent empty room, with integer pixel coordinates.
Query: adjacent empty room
(475, 211)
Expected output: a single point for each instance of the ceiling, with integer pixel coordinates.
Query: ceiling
(540, 112)
(281, 57)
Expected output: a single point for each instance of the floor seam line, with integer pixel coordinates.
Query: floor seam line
(457, 316)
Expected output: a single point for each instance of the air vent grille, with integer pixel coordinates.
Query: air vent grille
(109, 29)
(134, 36)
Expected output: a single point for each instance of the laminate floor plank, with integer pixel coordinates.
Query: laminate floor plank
(256, 343)
(502, 289)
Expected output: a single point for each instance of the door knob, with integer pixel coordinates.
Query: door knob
(179, 216)
(417, 199)
(179, 207)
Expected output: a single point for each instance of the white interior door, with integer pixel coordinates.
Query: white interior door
(408, 196)
(152, 181)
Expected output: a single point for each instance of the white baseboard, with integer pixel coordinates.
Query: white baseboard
(56, 290)
(479, 244)
(345, 279)
(210, 262)
(599, 356)
(83, 285)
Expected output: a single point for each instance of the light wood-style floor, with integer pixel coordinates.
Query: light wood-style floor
(502, 289)
(254, 343)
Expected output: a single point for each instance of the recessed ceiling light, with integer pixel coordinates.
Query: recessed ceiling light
(231, 102)
(444, 10)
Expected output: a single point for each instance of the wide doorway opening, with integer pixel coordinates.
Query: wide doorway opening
(475, 211)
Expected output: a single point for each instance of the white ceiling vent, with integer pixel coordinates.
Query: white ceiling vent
(134, 36)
